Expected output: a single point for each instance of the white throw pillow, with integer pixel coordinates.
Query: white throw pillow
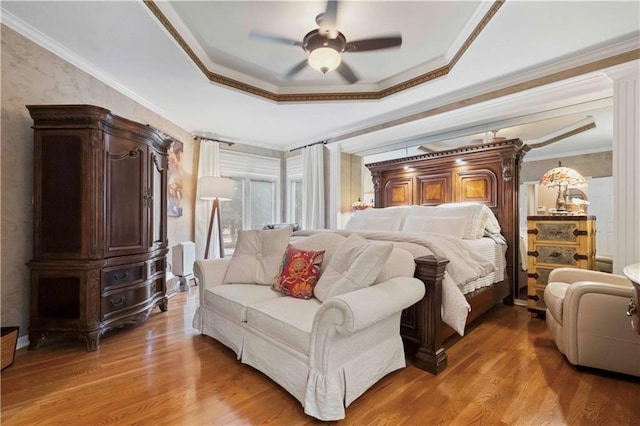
(355, 264)
(400, 264)
(329, 242)
(257, 257)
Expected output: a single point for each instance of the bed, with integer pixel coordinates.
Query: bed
(485, 174)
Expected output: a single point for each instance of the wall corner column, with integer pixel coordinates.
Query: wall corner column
(333, 194)
(626, 164)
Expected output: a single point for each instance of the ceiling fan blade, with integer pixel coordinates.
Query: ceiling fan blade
(295, 70)
(345, 71)
(274, 38)
(373, 44)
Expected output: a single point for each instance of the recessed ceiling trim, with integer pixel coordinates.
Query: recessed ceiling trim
(314, 97)
(495, 94)
(576, 131)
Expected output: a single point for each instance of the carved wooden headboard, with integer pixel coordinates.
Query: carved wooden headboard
(486, 173)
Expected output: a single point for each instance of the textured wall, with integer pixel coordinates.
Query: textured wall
(595, 165)
(33, 75)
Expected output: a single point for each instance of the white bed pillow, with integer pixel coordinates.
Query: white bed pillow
(472, 213)
(257, 256)
(453, 226)
(489, 220)
(386, 219)
(355, 264)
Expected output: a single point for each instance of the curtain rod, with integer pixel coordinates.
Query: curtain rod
(202, 138)
(307, 146)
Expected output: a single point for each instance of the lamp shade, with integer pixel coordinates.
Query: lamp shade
(212, 187)
(562, 177)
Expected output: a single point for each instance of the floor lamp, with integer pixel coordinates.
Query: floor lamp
(216, 189)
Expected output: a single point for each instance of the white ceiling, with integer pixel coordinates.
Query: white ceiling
(125, 45)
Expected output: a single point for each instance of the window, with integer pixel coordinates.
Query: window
(256, 195)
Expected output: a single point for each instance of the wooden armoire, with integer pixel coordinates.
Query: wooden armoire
(100, 222)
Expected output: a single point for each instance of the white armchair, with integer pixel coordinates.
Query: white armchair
(586, 314)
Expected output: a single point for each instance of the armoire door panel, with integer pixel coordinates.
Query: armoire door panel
(126, 186)
(156, 204)
(61, 183)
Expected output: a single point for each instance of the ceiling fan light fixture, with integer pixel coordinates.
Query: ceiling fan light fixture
(324, 59)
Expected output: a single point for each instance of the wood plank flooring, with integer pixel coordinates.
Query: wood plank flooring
(505, 371)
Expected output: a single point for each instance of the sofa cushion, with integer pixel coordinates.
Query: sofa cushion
(286, 320)
(299, 272)
(257, 257)
(355, 264)
(231, 300)
(400, 264)
(326, 241)
(554, 298)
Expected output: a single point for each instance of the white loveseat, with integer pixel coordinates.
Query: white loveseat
(325, 354)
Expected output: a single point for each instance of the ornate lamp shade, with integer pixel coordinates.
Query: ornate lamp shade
(562, 178)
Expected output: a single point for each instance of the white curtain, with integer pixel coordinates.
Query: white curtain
(313, 187)
(208, 165)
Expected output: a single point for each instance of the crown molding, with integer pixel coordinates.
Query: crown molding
(320, 95)
(26, 30)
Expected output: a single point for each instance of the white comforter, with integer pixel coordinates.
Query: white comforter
(464, 266)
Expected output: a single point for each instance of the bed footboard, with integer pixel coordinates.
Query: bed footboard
(420, 325)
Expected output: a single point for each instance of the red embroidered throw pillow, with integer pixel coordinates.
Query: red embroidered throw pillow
(299, 272)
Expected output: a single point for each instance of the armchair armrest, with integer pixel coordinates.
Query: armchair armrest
(594, 308)
(572, 275)
(351, 312)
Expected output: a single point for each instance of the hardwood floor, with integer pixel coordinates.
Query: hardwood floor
(505, 371)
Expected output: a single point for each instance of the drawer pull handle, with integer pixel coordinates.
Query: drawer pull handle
(118, 303)
(631, 310)
(578, 233)
(533, 253)
(580, 256)
(120, 277)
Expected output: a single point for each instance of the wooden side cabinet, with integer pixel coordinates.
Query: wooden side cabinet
(100, 222)
(554, 242)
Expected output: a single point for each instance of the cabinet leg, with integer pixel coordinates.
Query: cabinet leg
(433, 362)
(34, 340)
(92, 339)
(164, 304)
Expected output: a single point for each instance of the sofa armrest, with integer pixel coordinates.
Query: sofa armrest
(210, 272)
(351, 312)
(572, 275)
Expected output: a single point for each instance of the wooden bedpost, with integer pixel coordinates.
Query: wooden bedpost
(430, 355)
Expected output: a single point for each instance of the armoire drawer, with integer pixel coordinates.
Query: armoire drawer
(123, 299)
(123, 275)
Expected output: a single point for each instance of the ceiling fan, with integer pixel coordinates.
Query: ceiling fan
(326, 45)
